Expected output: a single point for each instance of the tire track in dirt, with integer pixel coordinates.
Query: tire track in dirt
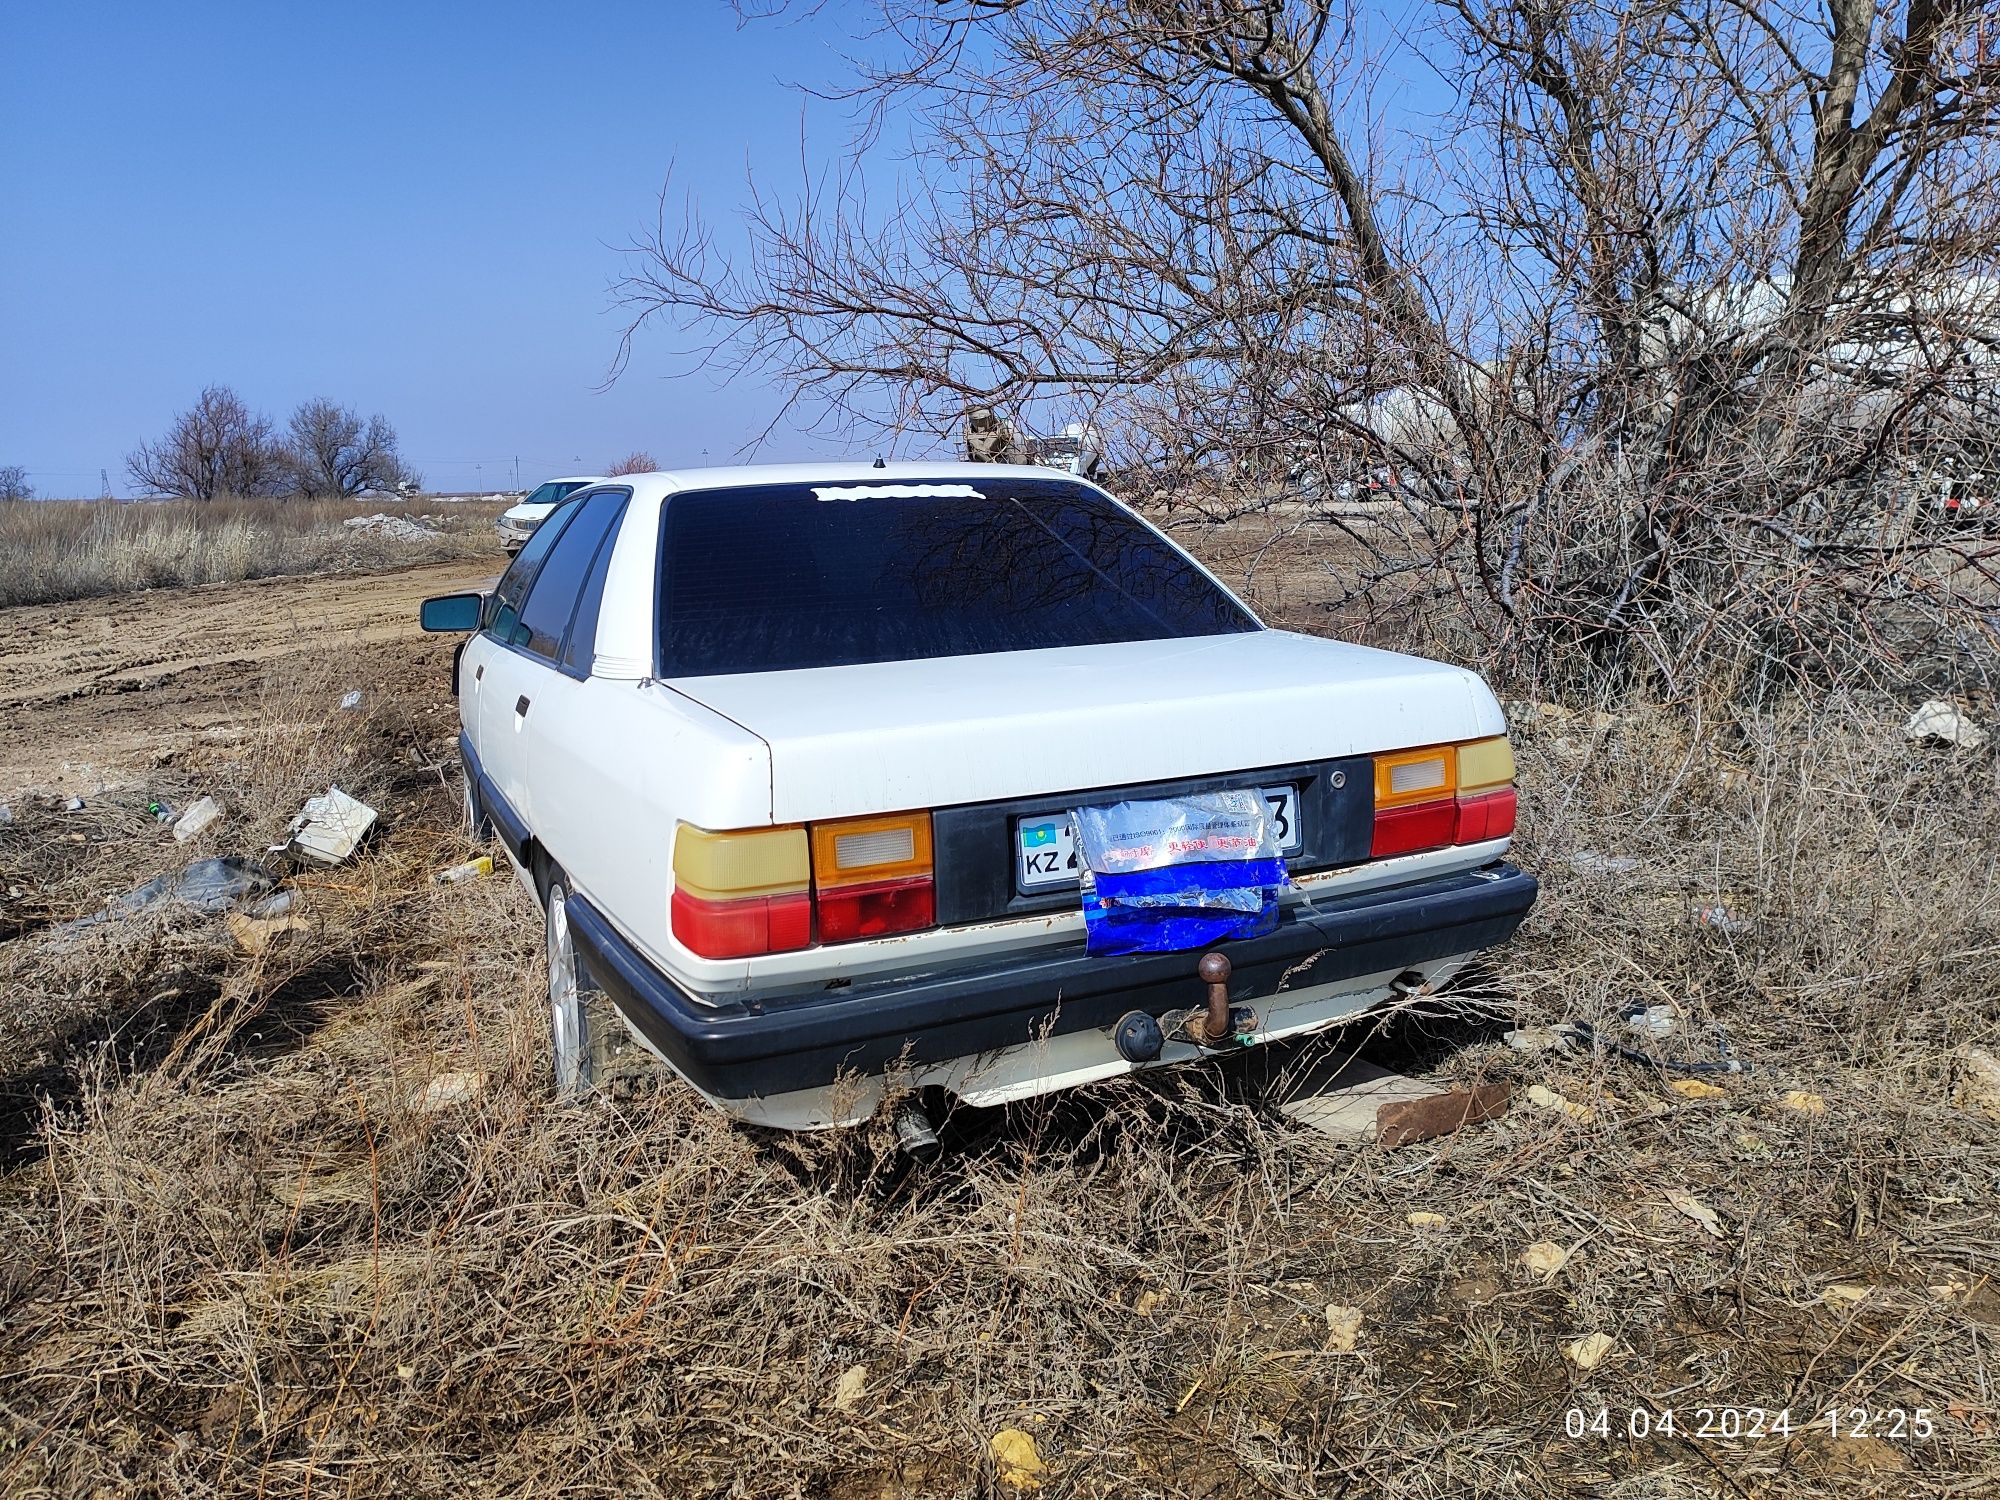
(94, 690)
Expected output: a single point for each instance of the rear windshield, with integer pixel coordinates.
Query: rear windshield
(774, 577)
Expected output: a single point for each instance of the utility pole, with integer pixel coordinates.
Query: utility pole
(517, 471)
(104, 484)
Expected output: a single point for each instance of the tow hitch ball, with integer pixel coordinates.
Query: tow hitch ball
(1217, 1025)
(1210, 1027)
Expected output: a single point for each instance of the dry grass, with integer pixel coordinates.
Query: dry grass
(241, 1262)
(73, 549)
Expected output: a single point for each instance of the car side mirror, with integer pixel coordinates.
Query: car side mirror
(445, 612)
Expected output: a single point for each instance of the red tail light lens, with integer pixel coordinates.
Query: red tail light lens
(853, 912)
(741, 893)
(741, 928)
(744, 892)
(1487, 815)
(1406, 830)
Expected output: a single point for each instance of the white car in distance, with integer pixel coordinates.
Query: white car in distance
(787, 753)
(518, 522)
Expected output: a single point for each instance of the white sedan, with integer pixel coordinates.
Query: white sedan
(787, 755)
(518, 521)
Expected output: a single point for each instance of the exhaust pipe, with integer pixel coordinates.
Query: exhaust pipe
(915, 1136)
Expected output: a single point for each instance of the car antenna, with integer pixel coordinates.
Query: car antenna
(880, 462)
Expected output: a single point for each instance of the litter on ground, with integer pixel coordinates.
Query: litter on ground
(1357, 1103)
(1590, 1351)
(1545, 1258)
(1543, 1097)
(1535, 1040)
(330, 826)
(1938, 723)
(197, 819)
(1013, 1453)
(1343, 1327)
(395, 528)
(1695, 1088)
(207, 885)
(1651, 1020)
(256, 935)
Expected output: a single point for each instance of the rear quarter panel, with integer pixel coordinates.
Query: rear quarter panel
(620, 765)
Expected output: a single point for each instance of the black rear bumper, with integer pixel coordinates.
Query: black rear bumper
(759, 1044)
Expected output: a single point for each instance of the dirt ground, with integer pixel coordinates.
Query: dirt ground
(304, 1219)
(101, 690)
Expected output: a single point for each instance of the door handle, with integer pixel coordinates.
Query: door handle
(521, 707)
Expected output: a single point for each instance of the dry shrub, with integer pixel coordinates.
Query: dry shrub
(269, 1272)
(249, 1262)
(72, 549)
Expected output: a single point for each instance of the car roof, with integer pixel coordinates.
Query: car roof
(845, 471)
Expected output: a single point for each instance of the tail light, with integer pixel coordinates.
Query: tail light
(1486, 804)
(736, 894)
(739, 894)
(1443, 795)
(872, 877)
(1415, 801)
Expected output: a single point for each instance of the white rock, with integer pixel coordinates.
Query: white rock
(1939, 723)
(1590, 1351)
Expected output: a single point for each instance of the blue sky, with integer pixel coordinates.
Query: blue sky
(411, 208)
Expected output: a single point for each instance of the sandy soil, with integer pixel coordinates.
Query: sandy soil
(98, 691)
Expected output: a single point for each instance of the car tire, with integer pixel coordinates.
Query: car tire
(579, 1014)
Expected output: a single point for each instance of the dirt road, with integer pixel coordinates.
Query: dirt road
(97, 691)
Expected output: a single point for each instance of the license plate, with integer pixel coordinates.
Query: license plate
(1045, 849)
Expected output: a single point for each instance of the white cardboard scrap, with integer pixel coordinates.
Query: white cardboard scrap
(330, 825)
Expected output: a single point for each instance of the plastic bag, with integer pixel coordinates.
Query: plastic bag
(1185, 872)
(207, 885)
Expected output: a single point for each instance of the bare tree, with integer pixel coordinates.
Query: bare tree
(14, 483)
(1643, 332)
(639, 461)
(330, 451)
(217, 447)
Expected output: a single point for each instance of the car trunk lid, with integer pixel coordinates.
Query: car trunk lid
(891, 736)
